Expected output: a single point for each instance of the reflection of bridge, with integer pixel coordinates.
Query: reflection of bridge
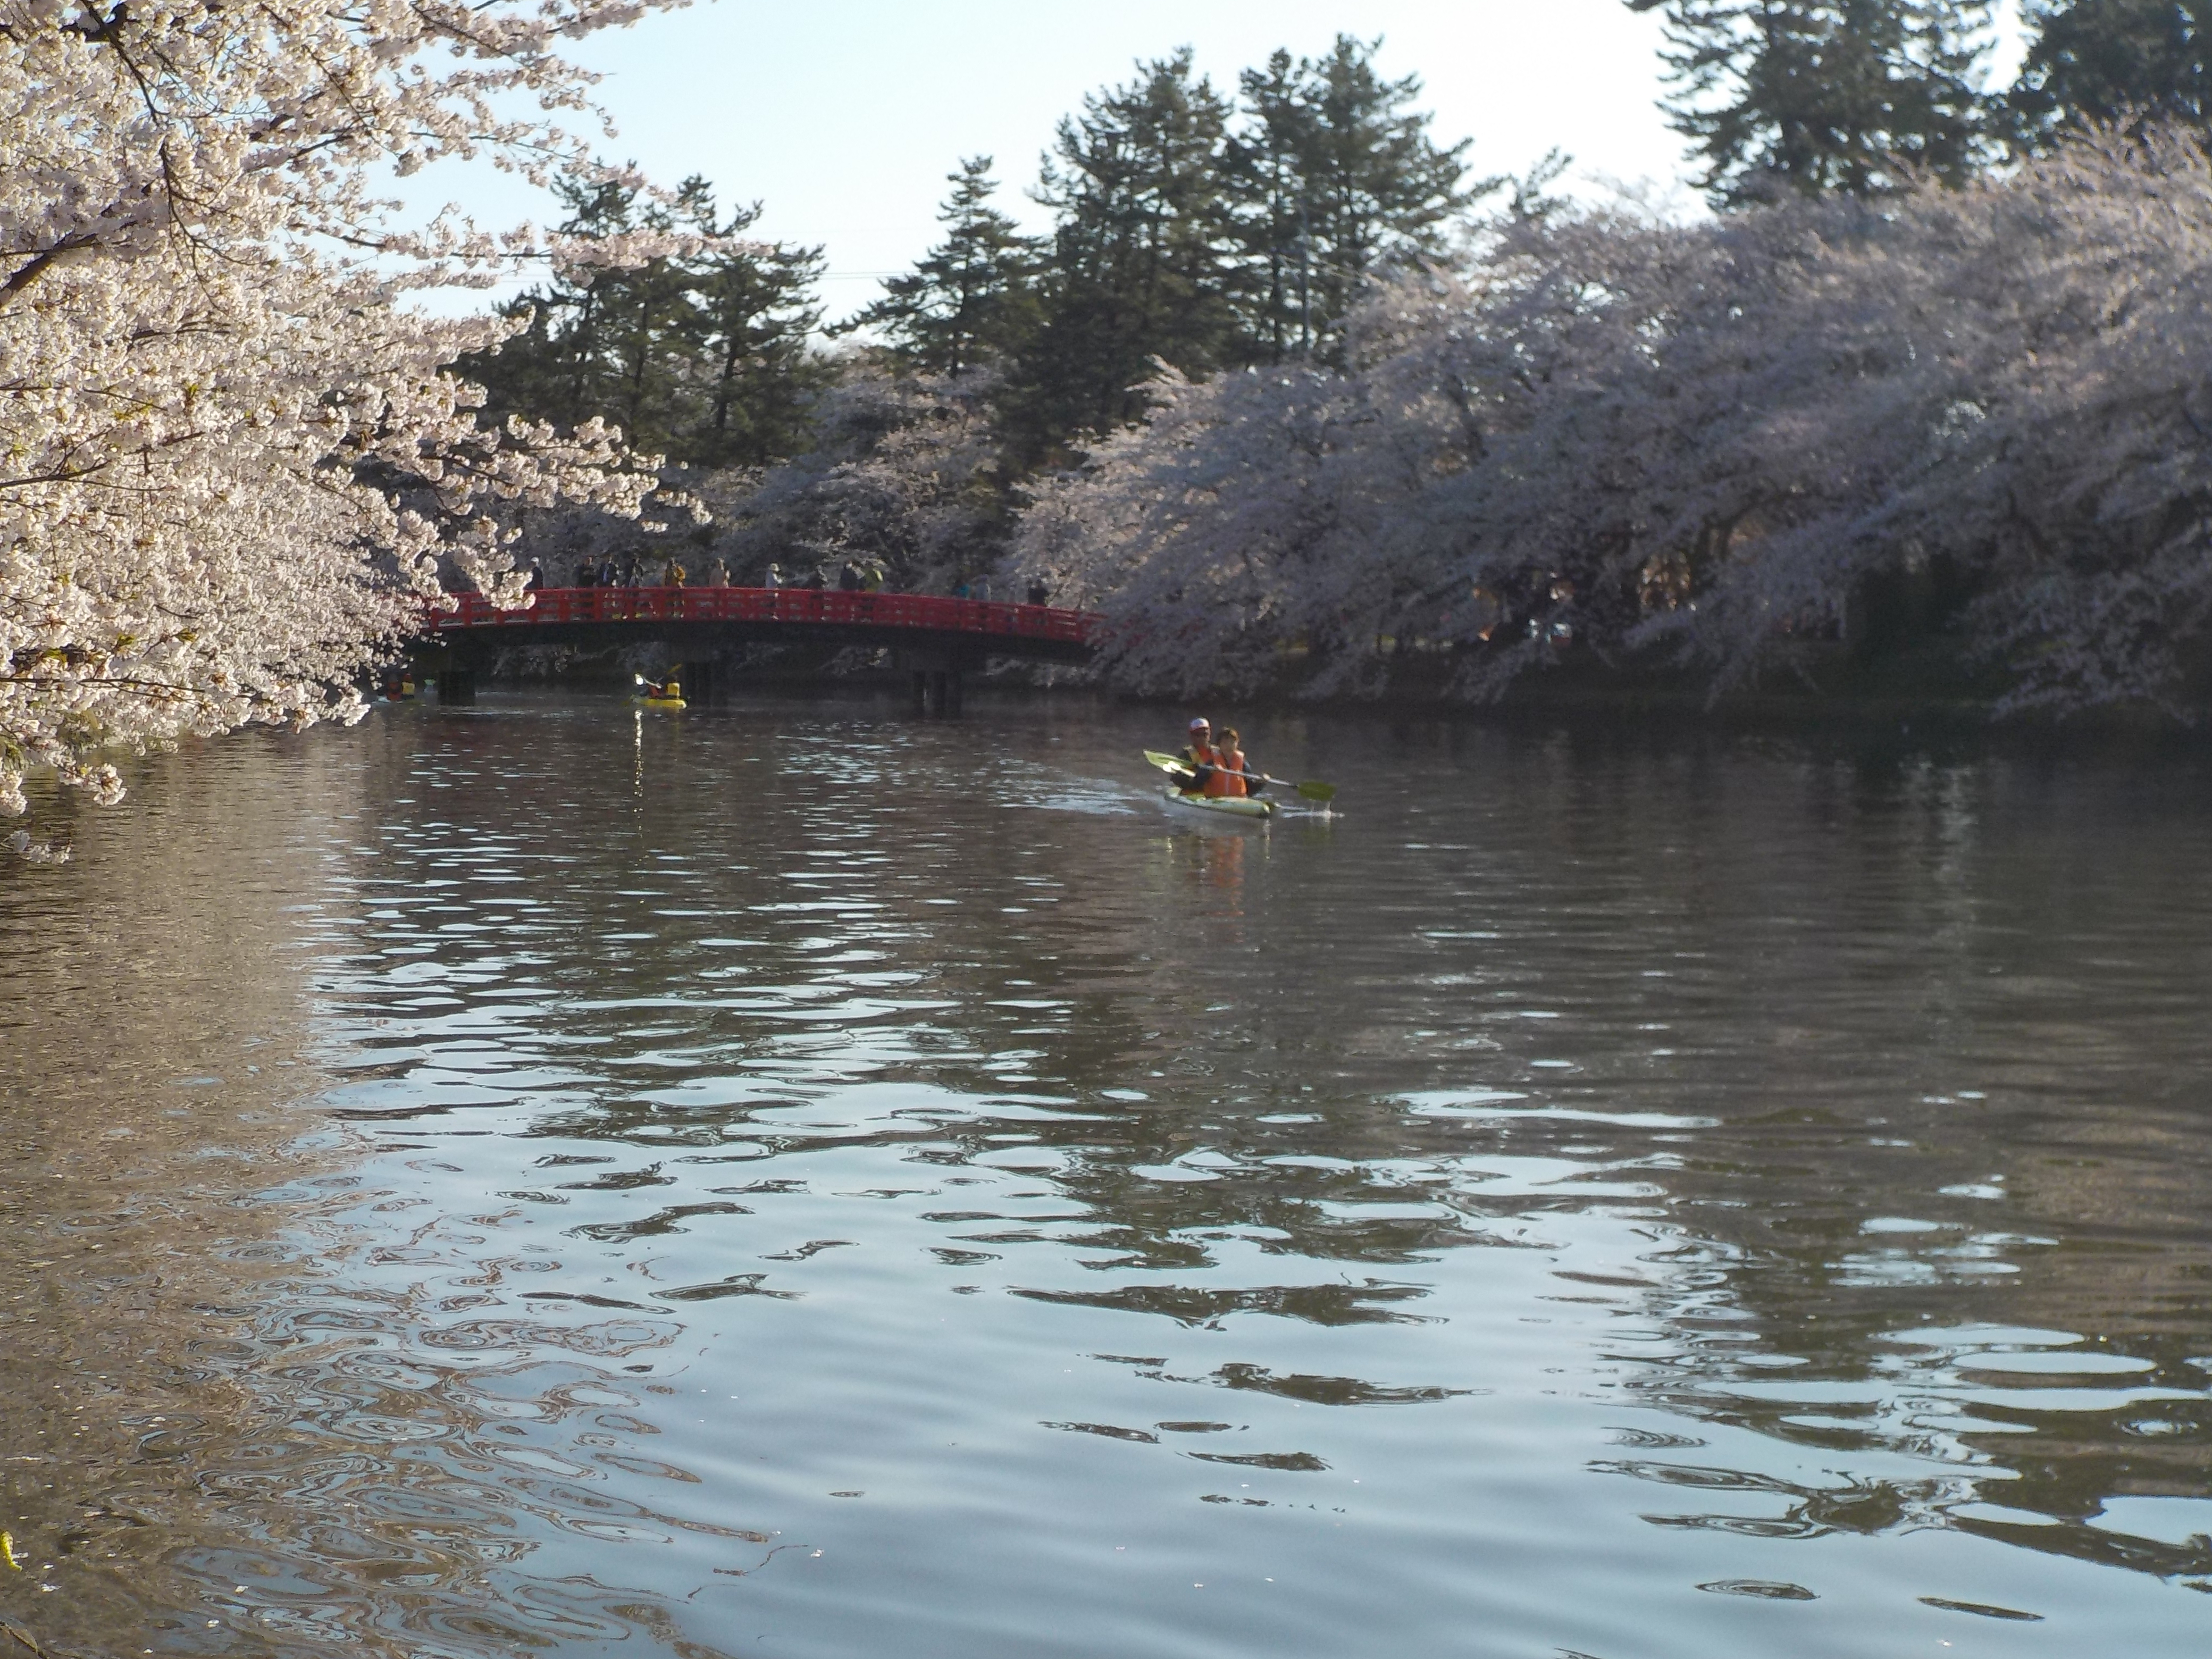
(936, 639)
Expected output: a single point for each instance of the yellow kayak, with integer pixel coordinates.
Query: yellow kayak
(658, 703)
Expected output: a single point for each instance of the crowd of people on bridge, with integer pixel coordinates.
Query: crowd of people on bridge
(642, 570)
(864, 577)
(853, 576)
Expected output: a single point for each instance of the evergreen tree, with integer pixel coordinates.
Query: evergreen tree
(2107, 60)
(556, 370)
(752, 315)
(1820, 95)
(1334, 176)
(1267, 161)
(972, 299)
(1142, 260)
(703, 357)
(642, 331)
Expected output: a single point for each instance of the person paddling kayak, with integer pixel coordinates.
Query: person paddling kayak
(1217, 770)
(1198, 758)
(1212, 776)
(1232, 778)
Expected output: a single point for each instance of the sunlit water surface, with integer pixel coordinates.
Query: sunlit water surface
(795, 1180)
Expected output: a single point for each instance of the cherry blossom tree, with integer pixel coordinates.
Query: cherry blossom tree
(231, 464)
(1700, 445)
(905, 471)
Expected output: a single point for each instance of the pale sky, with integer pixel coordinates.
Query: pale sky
(843, 116)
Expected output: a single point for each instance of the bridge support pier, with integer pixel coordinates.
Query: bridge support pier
(937, 690)
(936, 677)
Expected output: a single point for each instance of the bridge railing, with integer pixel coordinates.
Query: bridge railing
(832, 606)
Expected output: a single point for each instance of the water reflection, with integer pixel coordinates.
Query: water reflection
(792, 1179)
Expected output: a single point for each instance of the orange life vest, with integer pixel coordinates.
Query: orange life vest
(1222, 782)
(1199, 757)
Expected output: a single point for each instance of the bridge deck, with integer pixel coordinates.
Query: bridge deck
(804, 610)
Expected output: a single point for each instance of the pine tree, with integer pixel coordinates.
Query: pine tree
(1335, 175)
(1142, 258)
(752, 317)
(556, 370)
(642, 330)
(1822, 96)
(1267, 161)
(2110, 60)
(972, 300)
(704, 358)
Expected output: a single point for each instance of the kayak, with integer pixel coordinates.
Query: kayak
(1226, 806)
(658, 703)
(1233, 806)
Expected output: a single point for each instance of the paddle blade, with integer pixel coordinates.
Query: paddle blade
(1314, 789)
(1165, 762)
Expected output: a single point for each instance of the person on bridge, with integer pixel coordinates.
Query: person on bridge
(672, 574)
(849, 578)
(718, 572)
(872, 576)
(774, 579)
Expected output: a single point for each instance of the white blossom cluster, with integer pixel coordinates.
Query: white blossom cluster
(230, 465)
(902, 473)
(1699, 445)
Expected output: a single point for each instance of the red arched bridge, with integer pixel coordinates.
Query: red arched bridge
(935, 638)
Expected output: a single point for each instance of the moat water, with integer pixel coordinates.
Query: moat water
(796, 1179)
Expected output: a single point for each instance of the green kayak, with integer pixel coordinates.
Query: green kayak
(1232, 806)
(1223, 807)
